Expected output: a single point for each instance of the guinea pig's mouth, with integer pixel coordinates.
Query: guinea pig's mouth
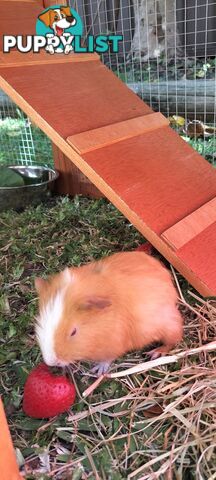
(61, 363)
(55, 362)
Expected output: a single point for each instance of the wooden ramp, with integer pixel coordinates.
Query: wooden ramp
(165, 188)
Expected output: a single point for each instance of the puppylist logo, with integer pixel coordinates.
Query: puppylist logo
(59, 30)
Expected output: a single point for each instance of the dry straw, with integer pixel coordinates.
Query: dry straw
(166, 416)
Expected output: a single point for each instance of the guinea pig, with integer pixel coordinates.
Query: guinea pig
(100, 311)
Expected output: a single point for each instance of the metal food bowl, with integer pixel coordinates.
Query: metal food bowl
(38, 184)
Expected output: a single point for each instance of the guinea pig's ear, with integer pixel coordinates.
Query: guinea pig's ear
(40, 284)
(96, 302)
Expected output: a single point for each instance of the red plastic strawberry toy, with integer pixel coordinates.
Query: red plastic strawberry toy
(145, 247)
(47, 395)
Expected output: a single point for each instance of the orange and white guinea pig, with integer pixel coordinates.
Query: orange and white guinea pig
(102, 310)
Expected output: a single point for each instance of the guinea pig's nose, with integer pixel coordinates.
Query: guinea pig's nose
(50, 363)
(61, 363)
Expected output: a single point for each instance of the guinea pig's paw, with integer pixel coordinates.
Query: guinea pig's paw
(158, 352)
(101, 368)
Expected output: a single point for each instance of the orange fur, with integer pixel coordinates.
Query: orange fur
(121, 303)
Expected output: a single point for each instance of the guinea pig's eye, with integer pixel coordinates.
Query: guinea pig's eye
(73, 332)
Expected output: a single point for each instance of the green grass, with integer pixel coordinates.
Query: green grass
(43, 147)
(38, 242)
(206, 148)
(134, 429)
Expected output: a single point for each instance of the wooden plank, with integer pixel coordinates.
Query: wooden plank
(75, 97)
(190, 226)
(157, 174)
(129, 211)
(200, 254)
(49, 3)
(18, 18)
(71, 180)
(8, 465)
(40, 2)
(100, 137)
(18, 59)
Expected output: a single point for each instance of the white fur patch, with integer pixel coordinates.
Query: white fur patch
(68, 275)
(46, 326)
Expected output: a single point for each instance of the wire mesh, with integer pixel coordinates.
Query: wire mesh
(167, 57)
(16, 143)
(21, 143)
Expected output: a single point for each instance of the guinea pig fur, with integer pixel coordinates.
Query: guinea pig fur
(102, 310)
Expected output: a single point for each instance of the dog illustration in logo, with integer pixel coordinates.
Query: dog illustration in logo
(58, 19)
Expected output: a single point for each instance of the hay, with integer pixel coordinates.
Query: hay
(172, 411)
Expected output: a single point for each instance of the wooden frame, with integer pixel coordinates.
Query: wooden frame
(8, 465)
